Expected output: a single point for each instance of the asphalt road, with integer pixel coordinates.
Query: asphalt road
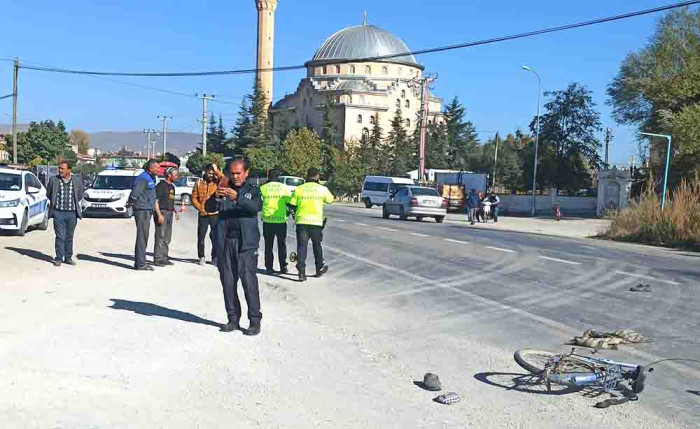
(515, 290)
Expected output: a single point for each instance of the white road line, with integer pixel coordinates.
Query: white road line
(361, 224)
(456, 241)
(418, 235)
(563, 261)
(500, 249)
(387, 229)
(642, 276)
(338, 220)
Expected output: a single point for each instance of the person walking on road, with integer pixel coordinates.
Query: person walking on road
(275, 197)
(204, 200)
(164, 213)
(143, 201)
(473, 204)
(495, 202)
(309, 199)
(238, 238)
(65, 192)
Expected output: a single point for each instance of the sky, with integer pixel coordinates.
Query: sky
(178, 35)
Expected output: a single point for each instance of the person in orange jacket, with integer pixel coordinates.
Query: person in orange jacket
(203, 199)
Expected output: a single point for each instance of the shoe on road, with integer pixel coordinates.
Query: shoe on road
(57, 263)
(160, 264)
(230, 327)
(284, 270)
(71, 261)
(202, 261)
(302, 277)
(323, 270)
(269, 271)
(145, 268)
(253, 330)
(169, 263)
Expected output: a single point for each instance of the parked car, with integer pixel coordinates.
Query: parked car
(292, 182)
(23, 201)
(109, 193)
(378, 189)
(416, 201)
(183, 189)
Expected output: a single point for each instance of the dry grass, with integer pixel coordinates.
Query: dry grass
(677, 226)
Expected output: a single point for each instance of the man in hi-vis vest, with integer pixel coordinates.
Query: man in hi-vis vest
(275, 197)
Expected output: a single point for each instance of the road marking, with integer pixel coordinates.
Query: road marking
(387, 229)
(563, 261)
(338, 220)
(418, 235)
(642, 276)
(361, 224)
(500, 249)
(456, 241)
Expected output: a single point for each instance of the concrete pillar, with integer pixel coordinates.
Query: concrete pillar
(266, 45)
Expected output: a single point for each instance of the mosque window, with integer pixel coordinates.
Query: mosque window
(372, 120)
(430, 122)
(365, 133)
(305, 102)
(408, 104)
(325, 70)
(349, 99)
(408, 122)
(398, 103)
(385, 70)
(337, 99)
(362, 99)
(403, 93)
(352, 69)
(368, 70)
(400, 70)
(359, 119)
(337, 69)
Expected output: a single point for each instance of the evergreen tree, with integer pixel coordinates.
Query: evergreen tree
(329, 138)
(400, 146)
(380, 158)
(462, 141)
(212, 142)
(220, 136)
(436, 146)
(258, 131)
(237, 144)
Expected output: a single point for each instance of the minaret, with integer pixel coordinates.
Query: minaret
(266, 45)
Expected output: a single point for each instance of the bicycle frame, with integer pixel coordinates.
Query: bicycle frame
(607, 378)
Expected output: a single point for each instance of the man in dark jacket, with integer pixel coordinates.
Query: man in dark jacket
(65, 192)
(237, 241)
(474, 204)
(143, 200)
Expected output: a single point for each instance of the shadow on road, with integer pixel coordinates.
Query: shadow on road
(90, 258)
(148, 309)
(34, 254)
(526, 383)
(694, 392)
(149, 254)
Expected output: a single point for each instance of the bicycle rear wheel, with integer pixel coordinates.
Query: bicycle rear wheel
(533, 360)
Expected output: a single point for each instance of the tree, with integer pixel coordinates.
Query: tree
(462, 141)
(258, 132)
(568, 139)
(301, 151)
(436, 145)
(81, 139)
(349, 173)
(329, 137)
(658, 89)
(197, 162)
(238, 143)
(400, 147)
(44, 141)
(263, 159)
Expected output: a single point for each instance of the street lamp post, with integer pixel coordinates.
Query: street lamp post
(537, 141)
(668, 161)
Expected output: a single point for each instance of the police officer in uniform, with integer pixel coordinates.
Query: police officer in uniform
(238, 237)
(275, 197)
(309, 199)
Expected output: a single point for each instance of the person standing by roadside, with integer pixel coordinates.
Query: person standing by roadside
(65, 192)
(495, 202)
(204, 200)
(275, 197)
(143, 200)
(309, 199)
(473, 204)
(480, 212)
(238, 238)
(164, 213)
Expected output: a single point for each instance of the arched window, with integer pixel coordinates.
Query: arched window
(305, 102)
(337, 69)
(398, 103)
(403, 93)
(400, 70)
(359, 119)
(349, 99)
(365, 133)
(325, 69)
(352, 69)
(368, 70)
(430, 122)
(337, 99)
(385, 70)
(372, 120)
(408, 123)
(362, 99)
(408, 104)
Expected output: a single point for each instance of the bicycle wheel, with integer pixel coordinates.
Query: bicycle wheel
(533, 360)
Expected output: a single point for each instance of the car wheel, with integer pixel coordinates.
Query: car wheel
(402, 214)
(44, 225)
(385, 213)
(439, 219)
(368, 203)
(185, 198)
(23, 228)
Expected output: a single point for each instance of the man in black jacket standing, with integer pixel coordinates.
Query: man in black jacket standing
(65, 192)
(143, 200)
(238, 239)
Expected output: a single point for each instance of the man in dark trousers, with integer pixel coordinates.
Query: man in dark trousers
(143, 200)
(495, 202)
(164, 214)
(238, 238)
(275, 197)
(473, 204)
(309, 199)
(203, 199)
(65, 192)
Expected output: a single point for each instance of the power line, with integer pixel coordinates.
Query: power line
(381, 57)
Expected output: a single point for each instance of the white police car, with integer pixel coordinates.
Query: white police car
(109, 193)
(23, 201)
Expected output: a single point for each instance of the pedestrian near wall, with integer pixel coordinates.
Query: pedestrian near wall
(143, 201)
(238, 238)
(473, 204)
(309, 199)
(65, 192)
(164, 214)
(204, 200)
(275, 197)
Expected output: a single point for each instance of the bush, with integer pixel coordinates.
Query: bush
(677, 226)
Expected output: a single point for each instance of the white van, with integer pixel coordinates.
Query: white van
(109, 193)
(378, 189)
(23, 202)
(292, 182)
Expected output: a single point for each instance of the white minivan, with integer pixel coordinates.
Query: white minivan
(378, 189)
(109, 193)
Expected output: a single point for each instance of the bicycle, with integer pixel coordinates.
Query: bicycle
(572, 370)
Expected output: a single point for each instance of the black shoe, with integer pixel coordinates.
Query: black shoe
(284, 270)
(230, 327)
(57, 263)
(169, 263)
(160, 264)
(270, 271)
(253, 330)
(323, 270)
(302, 277)
(145, 268)
(70, 261)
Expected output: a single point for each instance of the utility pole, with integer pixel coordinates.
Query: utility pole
(14, 111)
(165, 120)
(424, 84)
(148, 133)
(495, 162)
(204, 121)
(608, 139)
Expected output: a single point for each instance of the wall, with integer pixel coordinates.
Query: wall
(522, 204)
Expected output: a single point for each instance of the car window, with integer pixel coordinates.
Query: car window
(394, 186)
(425, 192)
(376, 187)
(291, 181)
(114, 182)
(181, 181)
(10, 182)
(402, 193)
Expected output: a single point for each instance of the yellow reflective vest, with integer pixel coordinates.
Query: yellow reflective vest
(309, 199)
(275, 197)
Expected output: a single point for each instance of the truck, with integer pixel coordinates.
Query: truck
(455, 186)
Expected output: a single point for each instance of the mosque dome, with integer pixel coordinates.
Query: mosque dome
(363, 42)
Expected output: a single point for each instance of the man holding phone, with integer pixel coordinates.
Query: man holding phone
(238, 237)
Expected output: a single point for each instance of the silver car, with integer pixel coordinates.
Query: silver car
(416, 201)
